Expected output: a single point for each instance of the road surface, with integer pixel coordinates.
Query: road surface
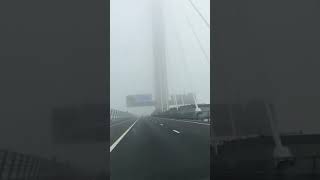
(151, 148)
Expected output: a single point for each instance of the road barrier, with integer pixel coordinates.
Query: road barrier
(16, 166)
(186, 112)
(303, 167)
(116, 114)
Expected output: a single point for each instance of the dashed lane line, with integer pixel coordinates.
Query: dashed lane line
(176, 131)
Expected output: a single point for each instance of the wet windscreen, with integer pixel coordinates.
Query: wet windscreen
(160, 90)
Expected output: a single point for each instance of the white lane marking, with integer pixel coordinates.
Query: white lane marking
(119, 123)
(193, 122)
(176, 131)
(161, 124)
(121, 137)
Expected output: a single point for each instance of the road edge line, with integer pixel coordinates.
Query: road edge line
(121, 137)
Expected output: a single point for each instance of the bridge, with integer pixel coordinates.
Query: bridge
(173, 141)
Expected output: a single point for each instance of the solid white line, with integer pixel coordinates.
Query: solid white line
(208, 124)
(121, 137)
(119, 123)
(176, 131)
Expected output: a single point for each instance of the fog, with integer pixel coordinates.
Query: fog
(131, 50)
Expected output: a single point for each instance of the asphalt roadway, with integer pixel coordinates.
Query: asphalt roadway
(150, 148)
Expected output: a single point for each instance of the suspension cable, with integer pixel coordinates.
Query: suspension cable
(197, 38)
(199, 13)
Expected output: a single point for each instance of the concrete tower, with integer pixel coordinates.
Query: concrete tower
(159, 50)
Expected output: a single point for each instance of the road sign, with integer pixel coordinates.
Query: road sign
(140, 100)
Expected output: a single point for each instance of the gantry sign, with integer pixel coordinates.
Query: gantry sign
(140, 100)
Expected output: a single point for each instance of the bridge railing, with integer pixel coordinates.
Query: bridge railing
(298, 166)
(253, 156)
(187, 112)
(16, 166)
(117, 114)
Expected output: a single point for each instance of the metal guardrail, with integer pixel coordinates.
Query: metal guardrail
(14, 166)
(116, 114)
(188, 113)
(302, 166)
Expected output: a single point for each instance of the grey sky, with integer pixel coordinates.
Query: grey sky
(131, 70)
